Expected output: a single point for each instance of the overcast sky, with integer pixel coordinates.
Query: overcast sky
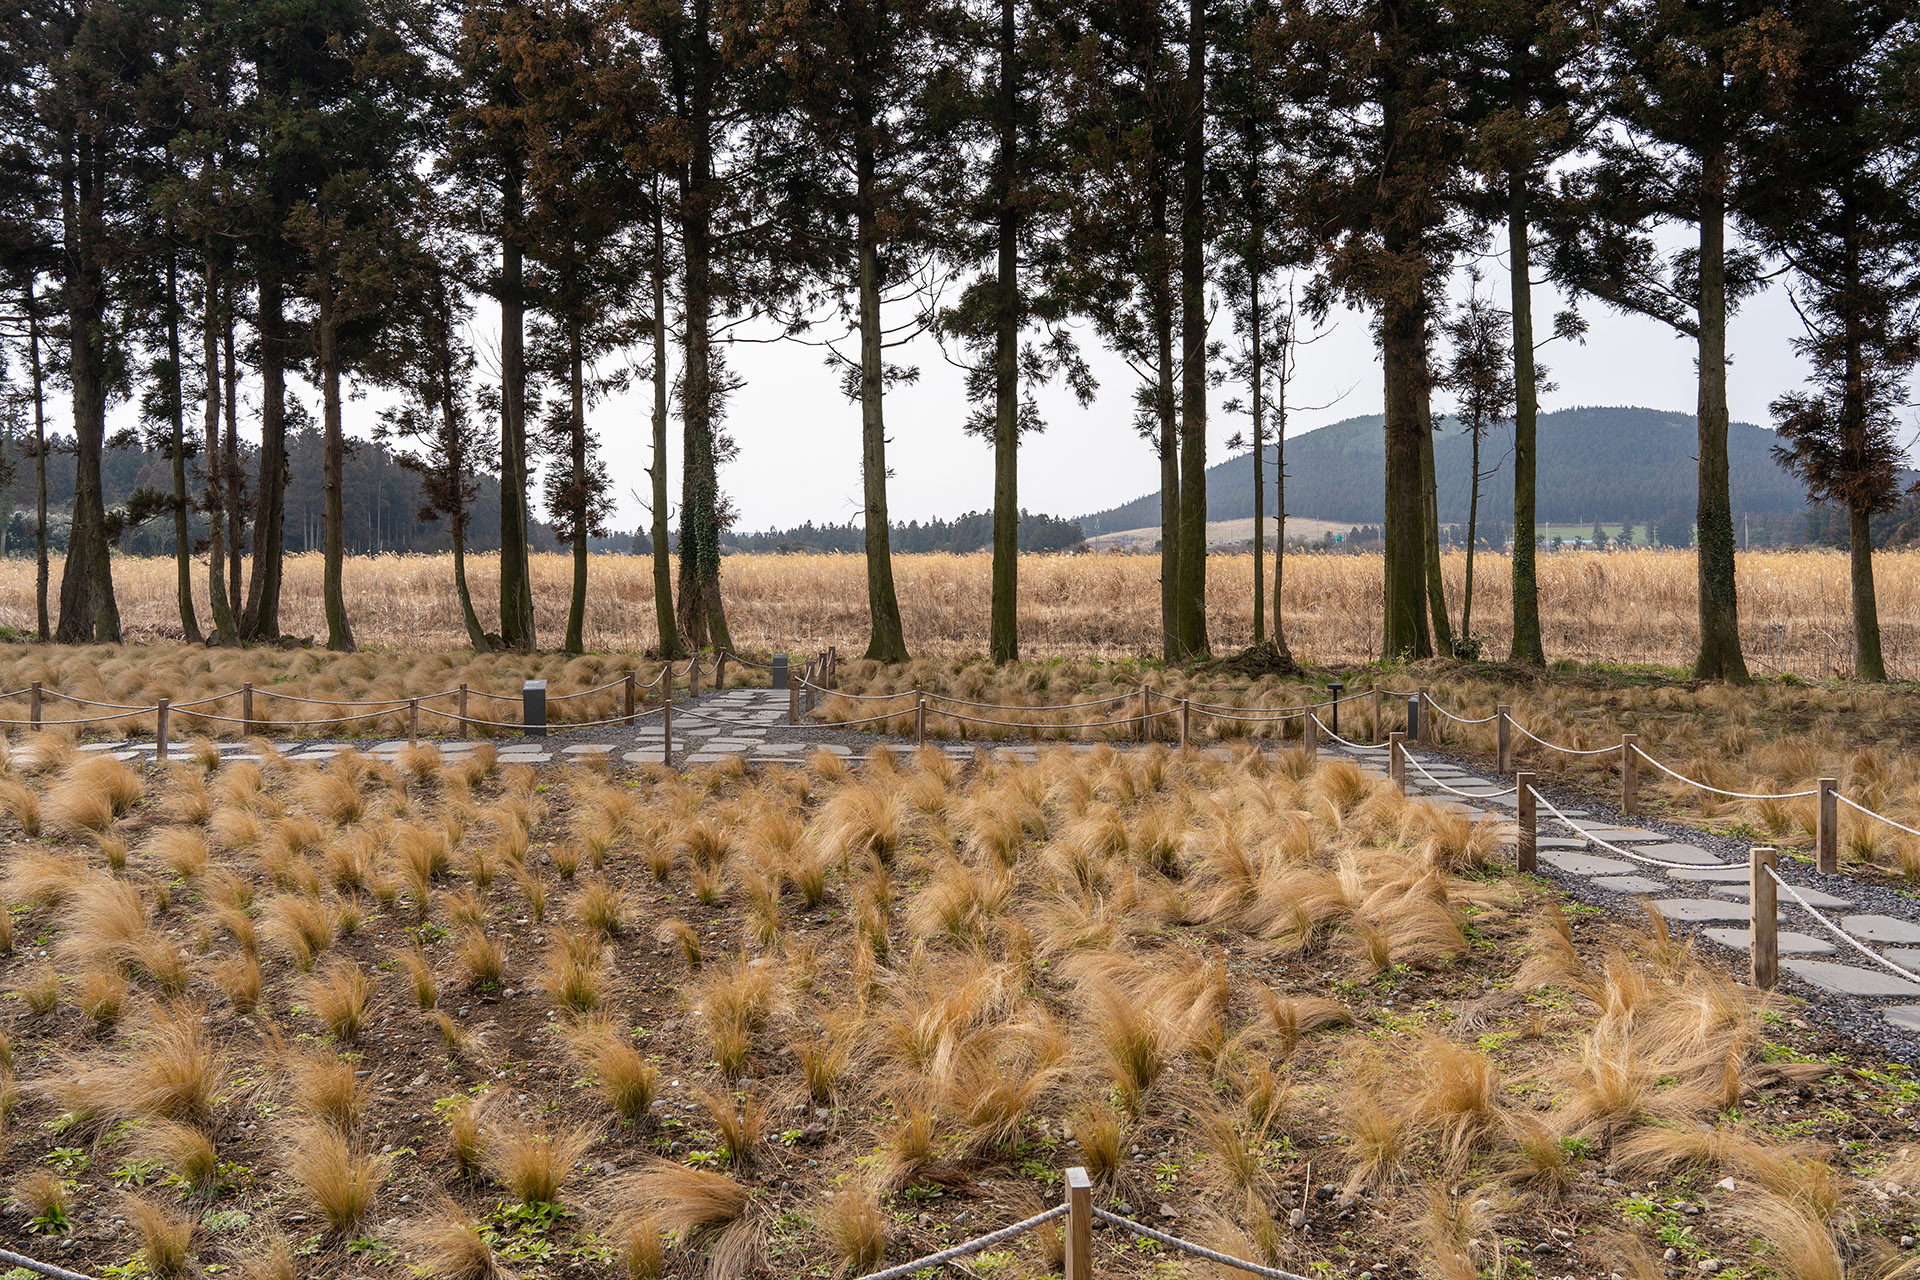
(799, 438)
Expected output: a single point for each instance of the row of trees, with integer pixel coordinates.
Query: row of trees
(196, 194)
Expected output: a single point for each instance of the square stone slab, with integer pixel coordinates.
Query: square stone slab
(1558, 842)
(1847, 980)
(1700, 909)
(1906, 957)
(642, 757)
(1624, 835)
(1688, 853)
(1814, 897)
(1881, 928)
(1583, 864)
(1715, 875)
(587, 749)
(1790, 943)
(1905, 1016)
(1630, 884)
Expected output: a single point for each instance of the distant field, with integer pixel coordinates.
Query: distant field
(1635, 606)
(1220, 533)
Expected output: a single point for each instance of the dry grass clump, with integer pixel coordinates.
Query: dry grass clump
(451, 1245)
(339, 1181)
(342, 997)
(534, 1164)
(93, 794)
(621, 1074)
(165, 1235)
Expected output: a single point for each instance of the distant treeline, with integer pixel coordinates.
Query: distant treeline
(970, 532)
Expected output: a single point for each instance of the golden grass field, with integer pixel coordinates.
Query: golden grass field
(462, 1021)
(1635, 607)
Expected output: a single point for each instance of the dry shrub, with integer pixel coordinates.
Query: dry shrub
(328, 1090)
(339, 1181)
(855, 1227)
(534, 1164)
(300, 926)
(638, 1246)
(621, 1073)
(93, 794)
(687, 1200)
(572, 972)
(186, 1152)
(451, 1245)
(342, 997)
(170, 1071)
(165, 1235)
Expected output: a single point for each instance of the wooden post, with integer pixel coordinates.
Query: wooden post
(1629, 773)
(666, 683)
(1525, 850)
(1146, 713)
(793, 703)
(1764, 895)
(33, 704)
(160, 731)
(247, 725)
(1079, 1260)
(1397, 760)
(1427, 734)
(1379, 708)
(413, 722)
(630, 694)
(720, 671)
(1310, 732)
(920, 722)
(693, 677)
(1186, 723)
(666, 733)
(1503, 727)
(460, 707)
(1827, 827)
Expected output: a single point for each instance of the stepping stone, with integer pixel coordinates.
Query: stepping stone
(1584, 864)
(100, 746)
(641, 757)
(1906, 1016)
(1630, 884)
(587, 749)
(526, 757)
(1558, 842)
(1848, 981)
(1691, 854)
(1624, 835)
(1716, 875)
(1906, 957)
(1881, 928)
(1790, 943)
(1700, 909)
(1814, 897)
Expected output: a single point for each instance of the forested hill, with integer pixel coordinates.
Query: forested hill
(1608, 464)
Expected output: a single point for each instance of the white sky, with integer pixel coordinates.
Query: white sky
(799, 437)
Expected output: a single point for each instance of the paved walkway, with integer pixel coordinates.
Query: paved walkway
(1709, 891)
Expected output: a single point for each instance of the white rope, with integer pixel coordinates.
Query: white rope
(1572, 751)
(975, 1245)
(1842, 934)
(40, 1268)
(1464, 795)
(1737, 795)
(1189, 1247)
(1461, 719)
(1871, 814)
(1352, 746)
(996, 706)
(1613, 848)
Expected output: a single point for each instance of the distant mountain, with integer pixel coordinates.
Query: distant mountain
(1614, 465)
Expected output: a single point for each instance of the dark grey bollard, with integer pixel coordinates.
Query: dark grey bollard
(1413, 717)
(779, 670)
(533, 709)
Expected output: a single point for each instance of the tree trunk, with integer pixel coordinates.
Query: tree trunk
(334, 464)
(1527, 649)
(1430, 514)
(222, 605)
(516, 574)
(888, 641)
(1402, 347)
(577, 465)
(176, 416)
(262, 619)
(657, 473)
(1280, 484)
(459, 517)
(1193, 346)
(233, 480)
(41, 565)
(87, 607)
(1719, 657)
(1003, 635)
(1259, 446)
(1473, 521)
(1867, 662)
(1165, 410)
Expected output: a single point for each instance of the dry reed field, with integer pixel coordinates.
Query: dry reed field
(293, 1020)
(1635, 606)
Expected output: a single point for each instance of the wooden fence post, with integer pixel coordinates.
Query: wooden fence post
(33, 704)
(793, 703)
(1525, 848)
(160, 711)
(1427, 734)
(1186, 723)
(666, 733)
(460, 707)
(693, 677)
(1629, 773)
(1378, 707)
(833, 668)
(1397, 760)
(1827, 827)
(413, 722)
(720, 672)
(1079, 1233)
(1765, 898)
(247, 725)
(1310, 731)
(920, 722)
(1503, 727)
(630, 694)
(1146, 713)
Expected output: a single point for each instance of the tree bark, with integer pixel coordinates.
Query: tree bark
(1193, 347)
(262, 618)
(334, 461)
(1867, 661)
(1259, 445)
(1003, 635)
(657, 473)
(233, 480)
(176, 421)
(41, 564)
(1473, 522)
(1527, 649)
(887, 642)
(1402, 347)
(87, 607)
(578, 501)
(1719, 657)
(516, 574)
(1165, 411)
(224, 626)
(1430, 513)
